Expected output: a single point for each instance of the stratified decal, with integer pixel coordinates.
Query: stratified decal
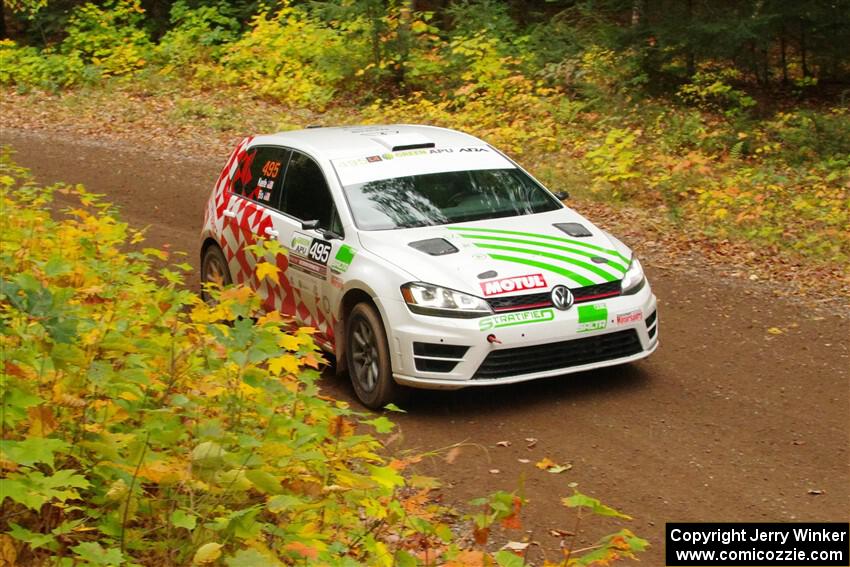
(510, 285)
(342, 260)
(592, 317)
(518, 318)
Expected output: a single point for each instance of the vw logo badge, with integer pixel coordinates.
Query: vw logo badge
(562, 298)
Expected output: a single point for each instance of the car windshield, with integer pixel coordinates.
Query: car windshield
(446, 197)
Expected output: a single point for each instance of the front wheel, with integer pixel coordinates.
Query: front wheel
(214, 270)
(369, 357)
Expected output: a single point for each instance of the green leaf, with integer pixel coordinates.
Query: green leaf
(277, 504)
(182, 519)
(393, 407)
(381, 424)
(34, 539)
(404, 559)
(95, 554)
(579, 500)
(386, 476)
(251, 558)
(32, 450)
(208, 455)
(207, 553)
(509, 559)
(266, 482)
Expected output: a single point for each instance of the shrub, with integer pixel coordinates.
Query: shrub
(26, 66)
(197, 35)
(289, 56)
(111, 37)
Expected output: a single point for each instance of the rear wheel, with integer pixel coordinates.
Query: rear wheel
(369, 357)
(214, 270)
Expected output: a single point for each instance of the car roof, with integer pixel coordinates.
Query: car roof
(353, 141)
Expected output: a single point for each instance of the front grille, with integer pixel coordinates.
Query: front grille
(538, 300)
(437, 357)
(520, 302)
(564, 354)
(593, 292)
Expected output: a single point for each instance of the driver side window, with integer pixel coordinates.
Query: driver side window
(306, 195)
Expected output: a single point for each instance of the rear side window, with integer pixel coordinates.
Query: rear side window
(306, 195)
(259, 176)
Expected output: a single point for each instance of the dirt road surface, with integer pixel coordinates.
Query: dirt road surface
(726, 422)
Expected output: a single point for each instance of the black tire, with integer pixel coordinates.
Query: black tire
(214, 270)
(368, 357)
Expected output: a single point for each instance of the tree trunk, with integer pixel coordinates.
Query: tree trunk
(689, 54)
(783, 47)
(803, 62)
(637, 12)
(765, 65)
(3, 33)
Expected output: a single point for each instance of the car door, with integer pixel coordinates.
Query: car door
(252, 213)
(318, 252)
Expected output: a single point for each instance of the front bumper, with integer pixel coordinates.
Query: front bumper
(531, 345)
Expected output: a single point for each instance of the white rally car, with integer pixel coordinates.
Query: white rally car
(425, 257)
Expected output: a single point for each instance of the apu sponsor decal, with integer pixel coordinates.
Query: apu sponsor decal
(519, 318)
(342, 260)
(630, 317)
(509, 285)
(592, 317)
(300, 244)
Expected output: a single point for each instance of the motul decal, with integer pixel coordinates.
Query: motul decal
(510, 285)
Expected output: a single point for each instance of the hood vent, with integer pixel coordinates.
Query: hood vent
(434, 246)
(413, 147)
(573, 229)
(487, 275)
(397, 142)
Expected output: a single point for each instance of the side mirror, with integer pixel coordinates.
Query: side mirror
(309, 225)
(562, 195)
(329, 234)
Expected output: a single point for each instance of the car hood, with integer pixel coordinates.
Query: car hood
(513, 255)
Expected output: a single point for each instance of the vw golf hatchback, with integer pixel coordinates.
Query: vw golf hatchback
(425, 257)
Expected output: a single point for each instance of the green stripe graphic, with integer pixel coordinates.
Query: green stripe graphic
(615, 265)
(589, 267)
(545, 236)
(578, 278)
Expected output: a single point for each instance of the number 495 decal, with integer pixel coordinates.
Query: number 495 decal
(320, 251)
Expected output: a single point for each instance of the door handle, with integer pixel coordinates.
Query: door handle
(271, 232)
(229, 213)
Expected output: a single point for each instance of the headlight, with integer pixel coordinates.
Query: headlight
(427, 299)
(633, 279)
